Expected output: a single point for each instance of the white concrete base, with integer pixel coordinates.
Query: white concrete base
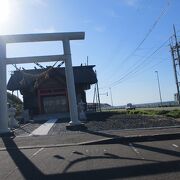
(75, 123)
(76, 127)
(2, 131)
(82, 116)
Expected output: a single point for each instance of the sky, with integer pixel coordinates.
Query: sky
(127, 40)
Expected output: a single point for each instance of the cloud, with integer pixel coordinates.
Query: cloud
(132, 3)
(99, 28)
(87, 21)
(26, 3)
(39, 2)
(50, 29)
(113, 14)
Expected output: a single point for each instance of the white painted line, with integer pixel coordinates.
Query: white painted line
(136, 151)
(130, 144)
(37, 152)
(44, 128)
(22, 136)
(12, 171)
(176, 146)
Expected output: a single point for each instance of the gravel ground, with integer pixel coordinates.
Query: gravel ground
(108, 121)
(104, 121)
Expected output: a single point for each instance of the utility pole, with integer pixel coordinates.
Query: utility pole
(175, 74)
(97, 96)
(176, 60)
(159, 87)
(177, 45)
(87, 60)
(111, 97)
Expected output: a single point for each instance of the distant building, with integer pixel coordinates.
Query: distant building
(44, 90)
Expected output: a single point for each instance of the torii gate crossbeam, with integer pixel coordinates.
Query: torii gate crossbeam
(66, 57)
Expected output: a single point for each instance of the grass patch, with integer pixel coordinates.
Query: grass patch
(175, 113)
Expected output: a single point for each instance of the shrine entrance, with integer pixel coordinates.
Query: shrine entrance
(66, 57)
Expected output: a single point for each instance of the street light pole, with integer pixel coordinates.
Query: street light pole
(159, 87)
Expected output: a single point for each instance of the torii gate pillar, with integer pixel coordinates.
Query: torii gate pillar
(70, 84)
(3, 90)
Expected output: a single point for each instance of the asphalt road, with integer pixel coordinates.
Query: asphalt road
(138, 160)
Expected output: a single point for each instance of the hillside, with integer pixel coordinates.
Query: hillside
(15, 101)
(12, 99)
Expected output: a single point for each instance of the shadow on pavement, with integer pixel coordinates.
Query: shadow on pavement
(157, 150)
(29, 170)
(98, 133)
(115, 139)
(122, 172)
(105, 156)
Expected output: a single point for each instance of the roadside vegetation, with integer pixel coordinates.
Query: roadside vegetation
(174, 113)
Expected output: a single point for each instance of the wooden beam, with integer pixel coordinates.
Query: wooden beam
(32, 59)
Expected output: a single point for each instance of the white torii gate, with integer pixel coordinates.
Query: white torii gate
(66, 57)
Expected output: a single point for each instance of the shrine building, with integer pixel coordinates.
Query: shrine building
(44, 90)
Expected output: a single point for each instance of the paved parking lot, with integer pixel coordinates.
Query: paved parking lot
(160, 160)
(91, 155)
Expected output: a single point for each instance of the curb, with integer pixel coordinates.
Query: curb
(115, 140)
(150, 128)
(134, 138)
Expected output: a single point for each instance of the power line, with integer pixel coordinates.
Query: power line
(137, 72)
(133, 75)
(136, 69)
(151, 28)
(138, 66)
(149, 32)
(163, 12)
